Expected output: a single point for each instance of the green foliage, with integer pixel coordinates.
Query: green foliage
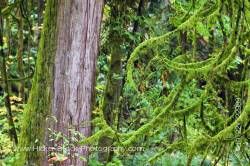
(182, 69)
(7, 153)
(198, 113)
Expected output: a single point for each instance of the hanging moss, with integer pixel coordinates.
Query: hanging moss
(156, 41)
(210, 70)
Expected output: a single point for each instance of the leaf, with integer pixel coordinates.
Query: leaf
(58, 136)
(130, 36)
(83, 158)
(61, 157)
(58, 158)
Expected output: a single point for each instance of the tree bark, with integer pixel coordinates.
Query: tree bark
(20, 55)
(40, 99)
(138, 14)
(75, 66)
(115, 81)
(64, 78)
(113, 90)
(40, 11)
(12, 129)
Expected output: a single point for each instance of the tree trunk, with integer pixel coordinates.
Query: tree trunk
(40, 99)
(75, 65)
(138, 14)
(20, 55)
(115, 82)
(40, 11)
(64, 78)
(12, 129)
(112, 94)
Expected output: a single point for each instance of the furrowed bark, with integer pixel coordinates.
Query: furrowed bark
(64, 78)
(75, 66)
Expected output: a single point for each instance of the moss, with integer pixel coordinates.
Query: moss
(153, 123)
(153, 43)
(236, 84)
(223, 134)
(94, 138)
(39, 103)
(243, 118)
(187, 111)
(209, 70)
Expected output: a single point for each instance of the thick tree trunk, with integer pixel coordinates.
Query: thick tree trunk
(64, 78)
(76, 54)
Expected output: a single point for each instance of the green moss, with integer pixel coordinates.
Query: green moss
(39, 103)
(209, 70)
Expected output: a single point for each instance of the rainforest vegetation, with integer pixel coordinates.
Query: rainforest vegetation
(124, 82)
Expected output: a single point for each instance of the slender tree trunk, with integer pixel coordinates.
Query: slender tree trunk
(20, 55)
(138, 14)
(114, 86)
(40, 11)
(183, 41)
(40, 4)
(12, 130)
(112, 94)
(64, 78)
